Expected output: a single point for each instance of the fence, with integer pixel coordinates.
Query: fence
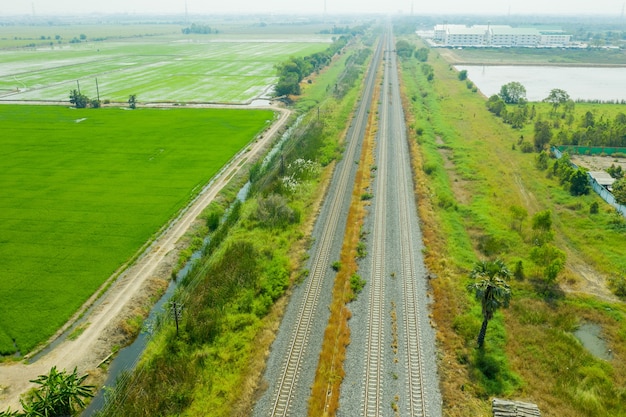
(599, 189)
(590, 150)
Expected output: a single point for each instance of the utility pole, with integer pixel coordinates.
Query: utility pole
(177, 313)
(97, 90)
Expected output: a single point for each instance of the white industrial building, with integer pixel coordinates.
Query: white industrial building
(498, 36)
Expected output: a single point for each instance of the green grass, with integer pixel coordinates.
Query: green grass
(84, 189)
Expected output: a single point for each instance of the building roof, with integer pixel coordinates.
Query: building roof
(507, 30)
(466, 30)
(602, 178)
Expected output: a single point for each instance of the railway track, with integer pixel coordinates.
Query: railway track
(373, 375)
(393, 174)
(285, 390)
(416, 402)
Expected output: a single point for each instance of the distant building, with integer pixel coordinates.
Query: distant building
(498, 36)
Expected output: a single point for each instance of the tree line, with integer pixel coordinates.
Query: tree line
(295, 69)
(81, 101)
(199, 28)
(562, 127)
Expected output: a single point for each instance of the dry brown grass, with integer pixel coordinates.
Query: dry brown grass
(324, 400)
(454, 378)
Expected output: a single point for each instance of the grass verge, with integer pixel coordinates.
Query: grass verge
(467, 176)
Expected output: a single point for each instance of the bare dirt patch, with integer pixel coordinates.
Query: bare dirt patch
(597, 162)
(458, 184)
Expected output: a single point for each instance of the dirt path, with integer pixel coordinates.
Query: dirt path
(88, 350)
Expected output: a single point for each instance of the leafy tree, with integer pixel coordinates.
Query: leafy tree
(551, 258)
(589, 120)
(428, 71)
(542, 160)
(556, 98)
(542, 221)
(491, 289)
(517, 117)
(404, 48)
(198, 28)
(287, 85)
(422, 54)
(496, 105)
(518, 215)
(542, 228)
(543, 135)
(579, 182)
(462, 75)
(513, 92)
(132, 101)
(615, 171)
(80, 101)
(619, 191)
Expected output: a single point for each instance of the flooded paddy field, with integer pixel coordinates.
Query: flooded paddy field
(216, 68)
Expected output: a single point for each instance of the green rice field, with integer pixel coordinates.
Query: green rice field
(83, 190)
(223, 68)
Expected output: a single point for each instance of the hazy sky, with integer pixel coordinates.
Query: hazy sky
(500, 7)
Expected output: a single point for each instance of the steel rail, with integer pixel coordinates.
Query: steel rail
(291, 366)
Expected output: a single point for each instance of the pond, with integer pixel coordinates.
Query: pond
(590, 335)
(584, 83)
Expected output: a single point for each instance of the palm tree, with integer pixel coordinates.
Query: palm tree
(491, 290)
(60, 393)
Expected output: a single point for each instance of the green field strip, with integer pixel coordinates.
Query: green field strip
(80, 198)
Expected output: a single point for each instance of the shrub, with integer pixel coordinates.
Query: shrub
(491, 245)
(274, 212)
(526, 147)
(356, 283)
(618, 285)
(361, 250)
(518, 271)
(429, 168)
